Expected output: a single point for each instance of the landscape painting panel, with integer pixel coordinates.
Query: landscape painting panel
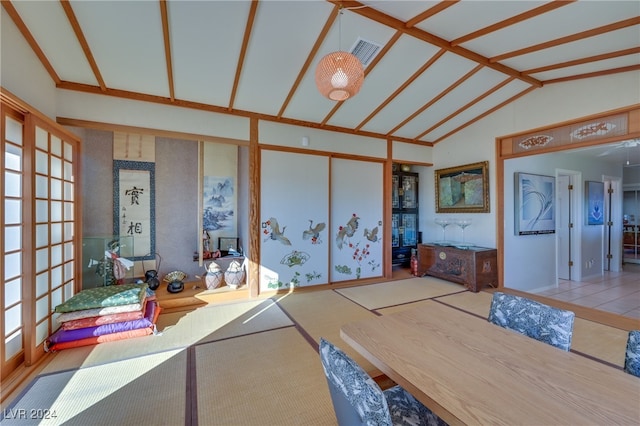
(219, 204)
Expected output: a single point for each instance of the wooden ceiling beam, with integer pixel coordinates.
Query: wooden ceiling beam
(384, 19)
(73, 20)
(595, 58)
(312, 54)
(22, 27)
(124, 94)
(568, 39)
(243, 51)
(167, 46)
(540, 10)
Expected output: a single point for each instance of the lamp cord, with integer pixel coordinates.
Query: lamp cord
(340, 28)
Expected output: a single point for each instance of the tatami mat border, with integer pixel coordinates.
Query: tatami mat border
(191, 384)
(435, 298)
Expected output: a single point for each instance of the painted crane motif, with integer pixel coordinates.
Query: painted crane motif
(347, 230)
(274, 233)
(313, 232)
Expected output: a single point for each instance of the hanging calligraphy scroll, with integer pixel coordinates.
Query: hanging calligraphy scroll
(134, 205)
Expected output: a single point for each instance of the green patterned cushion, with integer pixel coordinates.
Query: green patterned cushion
(100, 297)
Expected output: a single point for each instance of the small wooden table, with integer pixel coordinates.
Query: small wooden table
(469, 371)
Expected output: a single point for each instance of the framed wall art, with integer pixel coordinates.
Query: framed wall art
(534, 204)
(594, 196)
(229, 243)
(134, 198)
(463, 189)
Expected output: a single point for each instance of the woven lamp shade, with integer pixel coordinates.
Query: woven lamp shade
(339, 76)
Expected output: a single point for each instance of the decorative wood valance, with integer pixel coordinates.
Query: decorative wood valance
(604, 128)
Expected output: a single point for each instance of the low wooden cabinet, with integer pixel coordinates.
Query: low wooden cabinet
(475, 267)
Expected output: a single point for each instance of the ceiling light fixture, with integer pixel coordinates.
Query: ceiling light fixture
(339, 74)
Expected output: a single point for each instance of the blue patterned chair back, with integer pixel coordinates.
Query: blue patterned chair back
(632, 355)
(357, 398)
(536, 320)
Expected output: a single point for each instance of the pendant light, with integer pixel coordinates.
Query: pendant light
(339, 74)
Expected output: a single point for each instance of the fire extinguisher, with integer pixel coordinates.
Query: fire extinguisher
(414, 263)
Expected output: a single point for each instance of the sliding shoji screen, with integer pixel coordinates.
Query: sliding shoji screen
(39, 232)
(55, 258)
(13, 228)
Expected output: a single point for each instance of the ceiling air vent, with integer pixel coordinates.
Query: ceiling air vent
(365, 50)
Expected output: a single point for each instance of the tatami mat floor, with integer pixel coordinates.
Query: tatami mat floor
(244, 363)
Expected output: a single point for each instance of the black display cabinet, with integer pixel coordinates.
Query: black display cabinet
(404, 217)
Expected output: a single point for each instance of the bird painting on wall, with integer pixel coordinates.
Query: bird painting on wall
(274, 233)
(347, 230)
(371, 235)
(313, 232)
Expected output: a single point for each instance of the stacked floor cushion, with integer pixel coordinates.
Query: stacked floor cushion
(105, 314)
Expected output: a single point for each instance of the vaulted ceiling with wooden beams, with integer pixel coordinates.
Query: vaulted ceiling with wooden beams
(431, 67)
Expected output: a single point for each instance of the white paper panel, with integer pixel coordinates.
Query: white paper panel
(356, 219)
(294, 202)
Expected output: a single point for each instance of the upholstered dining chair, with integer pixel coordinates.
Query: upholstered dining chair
(358, 400)
(632, 354)
(534, 319)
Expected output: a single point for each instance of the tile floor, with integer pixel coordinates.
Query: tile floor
(617, 292)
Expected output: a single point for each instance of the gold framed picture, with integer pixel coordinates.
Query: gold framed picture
(463, 189)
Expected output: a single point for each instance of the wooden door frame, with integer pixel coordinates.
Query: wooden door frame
(506, 148)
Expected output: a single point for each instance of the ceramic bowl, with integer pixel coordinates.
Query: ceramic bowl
(175, 276)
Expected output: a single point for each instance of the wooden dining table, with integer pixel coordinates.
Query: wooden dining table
(470, 371)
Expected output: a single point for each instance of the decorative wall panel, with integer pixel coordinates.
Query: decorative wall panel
(294, 220)
(356, 219)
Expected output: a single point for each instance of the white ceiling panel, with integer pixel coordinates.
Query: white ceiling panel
(286, 45)
(553, 25)
(205, 40)
(49, 26)
(401, 9)
(126, 41)
(307, 102)
(512, 89)
(476, 86)
(626, 61)
(610, 42)
(201, 47)
(407, 56)
(438, 77)
(465, 17)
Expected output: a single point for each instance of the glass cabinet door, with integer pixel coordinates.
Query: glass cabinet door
(410, 229)
(395, 231)
(395, 196)
(409, 199)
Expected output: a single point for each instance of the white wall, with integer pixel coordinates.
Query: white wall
(543, 107)
(108, 109)
(21, 72)
(530, 260)
(319, 140)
